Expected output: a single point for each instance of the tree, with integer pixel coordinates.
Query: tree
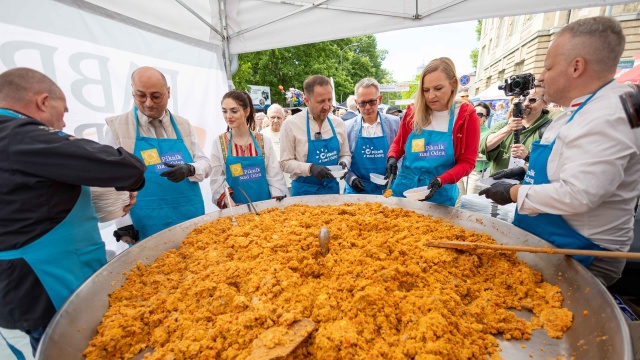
(290, 66)
(474, 52)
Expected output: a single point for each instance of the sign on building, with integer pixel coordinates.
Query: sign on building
(394, 87)
(260, 96)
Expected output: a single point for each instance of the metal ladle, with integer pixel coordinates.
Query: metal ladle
(323, 236)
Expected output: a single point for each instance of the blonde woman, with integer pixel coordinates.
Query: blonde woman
(438, 138)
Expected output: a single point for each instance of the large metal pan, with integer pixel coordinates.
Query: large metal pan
(602, 334)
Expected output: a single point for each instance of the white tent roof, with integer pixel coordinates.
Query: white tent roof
(491, 93)
(255, 25)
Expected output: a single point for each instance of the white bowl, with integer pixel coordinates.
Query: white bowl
(377, 179)
(486, 182)
(337, 171)
(417, 193)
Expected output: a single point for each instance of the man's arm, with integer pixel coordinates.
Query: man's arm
(288, 162)
(200, 162)
(53, 154)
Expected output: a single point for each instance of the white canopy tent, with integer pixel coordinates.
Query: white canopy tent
(491, 93)
(240, 26)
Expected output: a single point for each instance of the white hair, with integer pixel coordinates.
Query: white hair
(273, 108)
(351, 103)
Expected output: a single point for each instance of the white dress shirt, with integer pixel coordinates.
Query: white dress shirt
(593, 169)
(218, 180)
(372, 130)
(200, 163)
(294, 144)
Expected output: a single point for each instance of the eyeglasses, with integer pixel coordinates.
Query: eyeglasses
(372, 103)
(481, 115)
(142, 98)
(533, 100)
(317, 136)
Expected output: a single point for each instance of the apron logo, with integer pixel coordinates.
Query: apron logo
(150, 157)
(324, 155)
(251, 173)
(370, 152)
(171, 158)
(528, 178)
(236, 170)
(417, 145)
(433, 150)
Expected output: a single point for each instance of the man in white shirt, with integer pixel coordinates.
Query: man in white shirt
(313, 139)
(582, 182)
(168, 146)
(275, 115)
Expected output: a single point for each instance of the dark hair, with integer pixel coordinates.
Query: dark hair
(312, 82)
(484, 106)
(244, 100)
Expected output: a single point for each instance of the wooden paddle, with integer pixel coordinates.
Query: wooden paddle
(461, 245)
(298, 331)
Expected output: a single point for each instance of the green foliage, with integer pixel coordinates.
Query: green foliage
(478, 30)
(290, 66)
(474, 58)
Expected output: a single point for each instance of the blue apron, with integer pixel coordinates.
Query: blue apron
(552, 228)
(162, 203)
(428, 155)
(249, 173)
(67, 255)
(320, 152)
(370, 157)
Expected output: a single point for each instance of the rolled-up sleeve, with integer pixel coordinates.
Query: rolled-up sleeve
(289, 163)
(201, 162)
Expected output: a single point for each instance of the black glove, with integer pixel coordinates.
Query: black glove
(516, 173)
(357, 185)
(279, 197)
(127, 231)
(392, 167)
(434, 185)
(177, 172)
(320, 172)
(343, 164)
(498, 192)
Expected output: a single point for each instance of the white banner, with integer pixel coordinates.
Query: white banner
(93, 67)
(394, 87)
(260, 96)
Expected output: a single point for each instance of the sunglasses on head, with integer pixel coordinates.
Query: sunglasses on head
(481, 115)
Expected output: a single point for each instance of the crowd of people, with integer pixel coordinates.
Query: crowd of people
(578, 171)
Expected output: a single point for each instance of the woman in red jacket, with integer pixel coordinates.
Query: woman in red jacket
(437, 137)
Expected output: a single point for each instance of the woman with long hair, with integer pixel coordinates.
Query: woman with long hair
(438, 138)
(242, 158)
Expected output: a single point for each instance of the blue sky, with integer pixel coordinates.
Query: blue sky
(411, 48)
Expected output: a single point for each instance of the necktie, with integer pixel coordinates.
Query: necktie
(157, 128)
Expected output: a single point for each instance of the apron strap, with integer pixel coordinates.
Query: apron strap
(16, 352)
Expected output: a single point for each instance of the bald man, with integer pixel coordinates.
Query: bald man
(168, 146)
(49, 237)
(582, 183)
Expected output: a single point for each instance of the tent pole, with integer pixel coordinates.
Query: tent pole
(194, 13)
(225, 43)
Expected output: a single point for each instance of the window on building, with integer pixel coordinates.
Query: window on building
(518, 67)
(487, 82)
(500, 75)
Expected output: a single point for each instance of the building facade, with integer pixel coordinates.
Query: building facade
(518, 44)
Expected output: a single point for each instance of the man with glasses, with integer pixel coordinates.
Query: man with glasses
(168, 146)
(370, 134)
(498, 144)
(313, 139)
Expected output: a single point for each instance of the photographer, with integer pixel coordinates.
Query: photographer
(582, 183)
(498, 145)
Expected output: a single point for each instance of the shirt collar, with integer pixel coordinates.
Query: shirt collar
(374, 124)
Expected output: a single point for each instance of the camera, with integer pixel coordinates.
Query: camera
(518, 85)
(631, 105)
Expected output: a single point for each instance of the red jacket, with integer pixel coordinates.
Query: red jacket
(466, 131)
